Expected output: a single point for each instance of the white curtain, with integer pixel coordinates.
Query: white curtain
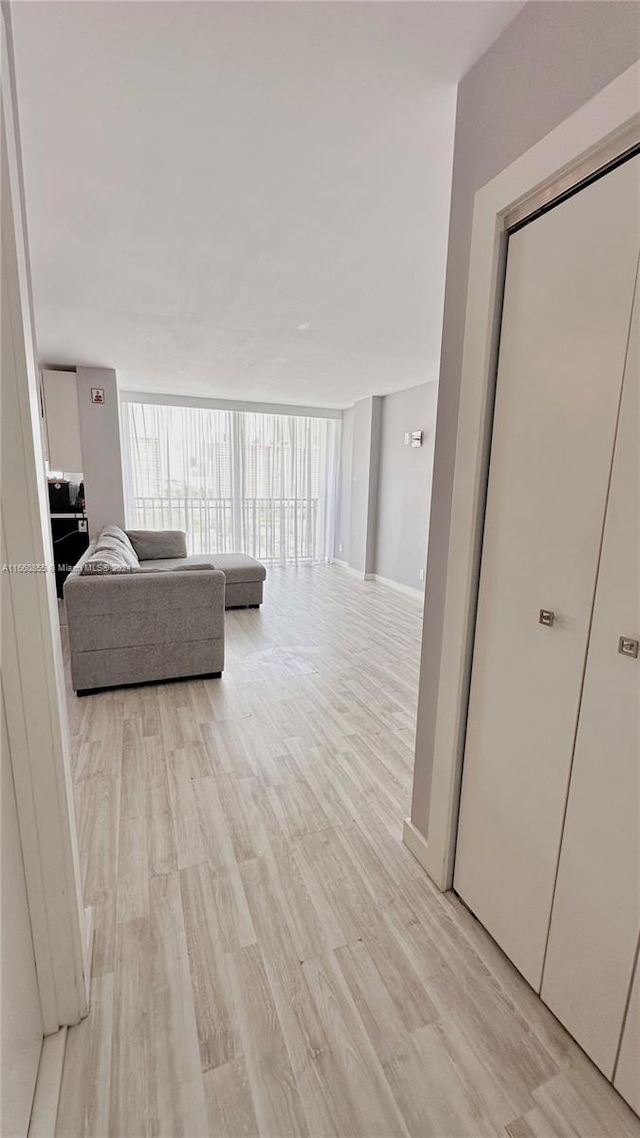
(235, 481)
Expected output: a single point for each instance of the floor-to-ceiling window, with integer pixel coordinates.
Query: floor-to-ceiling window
(235, 481)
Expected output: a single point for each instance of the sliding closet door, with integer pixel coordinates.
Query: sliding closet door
(568, 296)
(596, 911)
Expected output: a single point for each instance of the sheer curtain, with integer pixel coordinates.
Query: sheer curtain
(235, 481)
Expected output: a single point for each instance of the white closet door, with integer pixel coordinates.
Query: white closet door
(595, 919)
(627, 1079)
(568, 296)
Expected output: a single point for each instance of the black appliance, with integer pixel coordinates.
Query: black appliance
(70, 540)
(64, 496)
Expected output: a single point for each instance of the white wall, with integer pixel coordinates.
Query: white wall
(548, 63)
(101, 450)
(365, 461)
(404, 485)
(48, 945)
(344, 487)
(385, 486)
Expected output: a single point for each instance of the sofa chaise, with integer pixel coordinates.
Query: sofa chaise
(167, 549)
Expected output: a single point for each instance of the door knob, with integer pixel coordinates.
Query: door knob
(546, 617)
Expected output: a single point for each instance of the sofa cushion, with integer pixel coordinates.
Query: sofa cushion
(238, 568)
(153, 545)
(193, 561)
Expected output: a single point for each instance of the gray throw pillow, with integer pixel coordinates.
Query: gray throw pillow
(112, 553)
(105, 561)
(112, 537)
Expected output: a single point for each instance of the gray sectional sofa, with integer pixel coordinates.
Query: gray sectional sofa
(140, 610)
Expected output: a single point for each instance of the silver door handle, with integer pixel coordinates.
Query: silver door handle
(546, 617)
(628, 647)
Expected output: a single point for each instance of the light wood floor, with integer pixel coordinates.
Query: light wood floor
(269, 959)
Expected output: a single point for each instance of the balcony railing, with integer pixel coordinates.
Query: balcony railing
(272, 529)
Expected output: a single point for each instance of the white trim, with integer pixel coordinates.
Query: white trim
(408, 590)
(44, 1112)
(89, 931)
(350, 569)
(612, 112)
(32, 671)
(415, 842)
(228, 404)
(595, 162)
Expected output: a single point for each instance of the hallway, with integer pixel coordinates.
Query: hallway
(269, 960)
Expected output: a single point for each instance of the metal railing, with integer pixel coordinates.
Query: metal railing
(272, 529)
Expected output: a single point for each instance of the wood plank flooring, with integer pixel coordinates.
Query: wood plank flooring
(269, 959)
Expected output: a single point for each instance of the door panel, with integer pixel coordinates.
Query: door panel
(568, 296)
(596, 910)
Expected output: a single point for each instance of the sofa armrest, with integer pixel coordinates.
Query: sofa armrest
(151, 544)
(109, 593)
(137, 610)
(137, 627)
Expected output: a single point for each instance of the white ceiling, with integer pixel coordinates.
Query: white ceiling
(243, 200)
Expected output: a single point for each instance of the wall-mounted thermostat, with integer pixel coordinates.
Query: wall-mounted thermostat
(416, 438)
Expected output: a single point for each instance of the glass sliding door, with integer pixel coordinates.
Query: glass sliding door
(234, 481)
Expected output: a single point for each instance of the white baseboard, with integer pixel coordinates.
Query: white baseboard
(408, 590)
(354, 572)
(44, 1112)
(415, 842)
(418, 845)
